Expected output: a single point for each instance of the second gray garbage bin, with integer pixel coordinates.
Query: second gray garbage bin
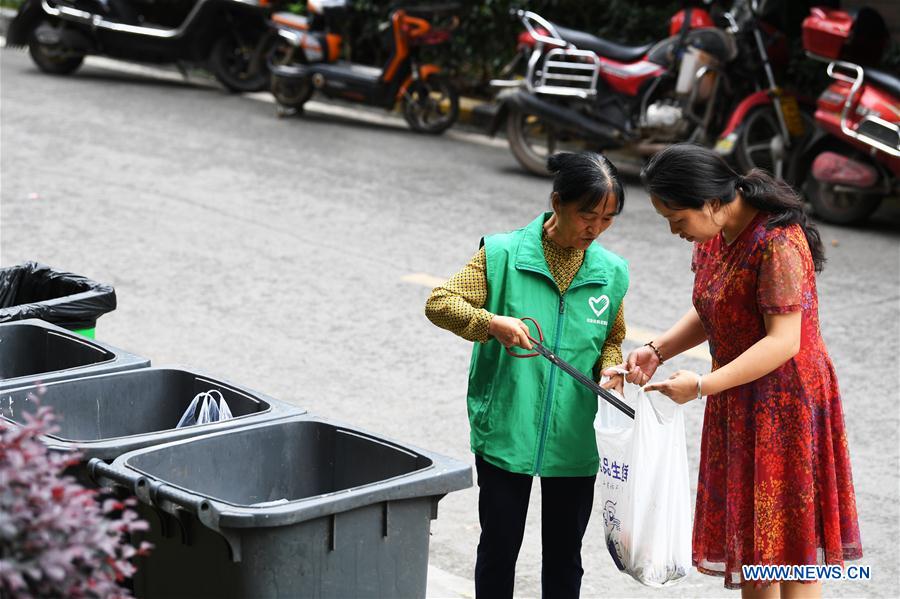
(299, 507)
(33, 350)
(104, 416)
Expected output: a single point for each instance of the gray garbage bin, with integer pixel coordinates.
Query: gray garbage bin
(299, 507)
(34, 351)
(106, 415)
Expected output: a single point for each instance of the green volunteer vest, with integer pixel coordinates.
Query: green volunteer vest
(526, 415)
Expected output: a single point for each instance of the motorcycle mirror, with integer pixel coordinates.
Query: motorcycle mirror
(733, 26)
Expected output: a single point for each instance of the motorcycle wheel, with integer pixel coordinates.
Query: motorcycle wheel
(838, 207)
(761, 144)
(240, 67)
(291, 93)
(431, 106)
(526, 134)
(52, 59)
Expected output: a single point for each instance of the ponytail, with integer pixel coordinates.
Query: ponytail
(763, 192)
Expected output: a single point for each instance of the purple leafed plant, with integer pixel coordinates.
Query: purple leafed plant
(57, 539)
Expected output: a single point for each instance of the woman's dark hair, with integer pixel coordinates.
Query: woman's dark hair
(585, 178)
(689, 176)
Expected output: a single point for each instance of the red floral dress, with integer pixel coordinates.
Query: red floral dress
(775, 484)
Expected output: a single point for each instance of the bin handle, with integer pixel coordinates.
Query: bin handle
(101, 472)
(167, 498)
(161, 494)
(153, 492)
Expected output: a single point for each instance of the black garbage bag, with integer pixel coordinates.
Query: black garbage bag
(33, 290)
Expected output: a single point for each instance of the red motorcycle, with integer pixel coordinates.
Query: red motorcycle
(853, 162)
(708, 84)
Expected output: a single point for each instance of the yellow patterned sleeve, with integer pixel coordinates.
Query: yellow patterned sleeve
(612, 348)
(458, 304)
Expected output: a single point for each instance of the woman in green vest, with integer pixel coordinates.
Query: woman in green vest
(527, 418)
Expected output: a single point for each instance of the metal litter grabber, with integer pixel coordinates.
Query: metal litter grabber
(540, 349)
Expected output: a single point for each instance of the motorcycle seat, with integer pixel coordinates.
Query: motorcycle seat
(289, 19)
(586, 41)
(884, 80)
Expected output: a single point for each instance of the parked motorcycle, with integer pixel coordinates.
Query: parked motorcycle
(306, 59)
(230, 36)
(707, 84)
(853, 160)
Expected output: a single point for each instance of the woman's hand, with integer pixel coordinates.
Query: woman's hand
(616, 380)
(509, 331)
(681, 387)
(641, 364)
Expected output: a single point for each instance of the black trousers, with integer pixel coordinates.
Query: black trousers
(502, 507)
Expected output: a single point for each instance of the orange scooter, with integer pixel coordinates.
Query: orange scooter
(306, 60)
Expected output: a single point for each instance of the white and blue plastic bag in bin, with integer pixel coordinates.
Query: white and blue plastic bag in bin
(644, 489)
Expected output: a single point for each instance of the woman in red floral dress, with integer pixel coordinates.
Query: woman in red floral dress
(774, 484)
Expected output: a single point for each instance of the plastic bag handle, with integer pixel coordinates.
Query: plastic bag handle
(660, 418)
(623, 372)
(189, 418)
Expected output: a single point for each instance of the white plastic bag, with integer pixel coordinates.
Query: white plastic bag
(209, 411)
(189, 418)
(645, 493)
(224, 410)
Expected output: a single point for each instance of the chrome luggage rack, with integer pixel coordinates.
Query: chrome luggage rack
(854, 75)
(565, 70)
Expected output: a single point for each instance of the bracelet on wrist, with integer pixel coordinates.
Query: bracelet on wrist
(655, 351)
(700, 387)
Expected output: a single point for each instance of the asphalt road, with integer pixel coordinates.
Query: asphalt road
(295, 256)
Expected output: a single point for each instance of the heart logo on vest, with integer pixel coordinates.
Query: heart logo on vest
(599, 304)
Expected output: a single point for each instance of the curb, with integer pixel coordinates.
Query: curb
(475, 112)
(444, 585)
